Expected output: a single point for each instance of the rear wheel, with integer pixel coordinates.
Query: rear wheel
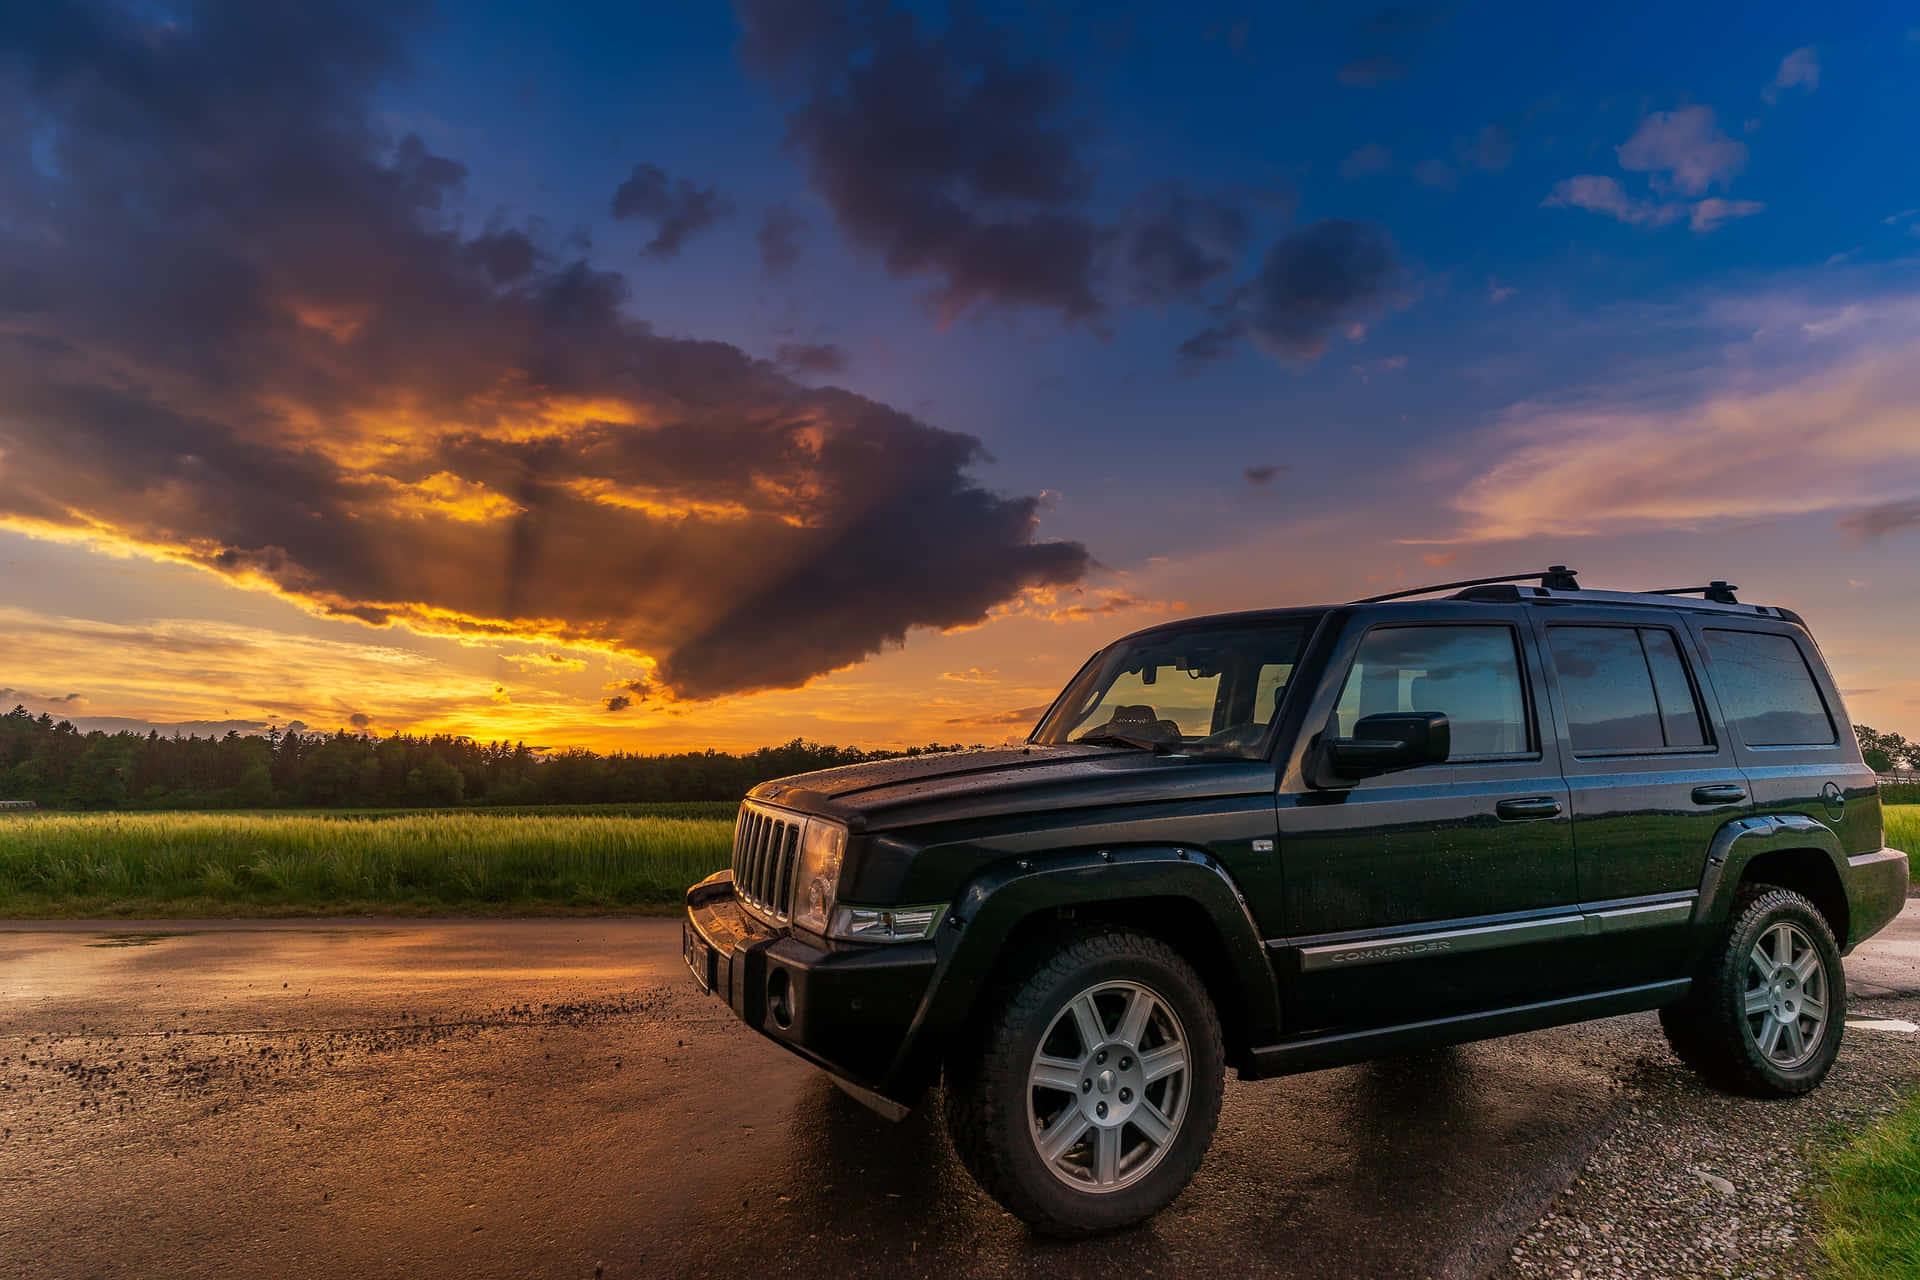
(1767, 1008)
(1096, 1088)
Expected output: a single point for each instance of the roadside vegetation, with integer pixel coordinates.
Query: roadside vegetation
(1871, 1205)
(230, 864)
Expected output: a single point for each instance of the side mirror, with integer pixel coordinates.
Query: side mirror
(1397, 740)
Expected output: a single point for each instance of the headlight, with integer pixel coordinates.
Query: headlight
(887, 924)
(821, 848)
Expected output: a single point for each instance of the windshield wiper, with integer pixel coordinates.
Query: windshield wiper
(1155, 745)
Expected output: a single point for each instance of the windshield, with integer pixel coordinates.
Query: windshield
(1211, 690)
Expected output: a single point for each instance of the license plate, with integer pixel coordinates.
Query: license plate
(699, 956)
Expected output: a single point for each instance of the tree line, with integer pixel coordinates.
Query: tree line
(1885, 752)
(54, 764)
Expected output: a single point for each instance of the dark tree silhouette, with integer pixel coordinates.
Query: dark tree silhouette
(58, 766)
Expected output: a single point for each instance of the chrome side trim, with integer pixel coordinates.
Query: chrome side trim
(1590, 922)
(1341, 955)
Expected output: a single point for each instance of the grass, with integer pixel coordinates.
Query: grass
(1903, 828)
(1871, 1207)
(224, 864)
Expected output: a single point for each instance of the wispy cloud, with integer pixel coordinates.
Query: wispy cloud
(1799, 69)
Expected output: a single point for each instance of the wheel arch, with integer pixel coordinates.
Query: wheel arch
(1788, 850)
(1012, 912)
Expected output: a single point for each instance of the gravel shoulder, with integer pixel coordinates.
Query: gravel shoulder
(1694, 1182)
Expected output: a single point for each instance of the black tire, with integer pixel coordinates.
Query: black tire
(1711, 1031)
(989, 1094)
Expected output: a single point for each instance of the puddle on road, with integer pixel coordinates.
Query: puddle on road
(1882, 1024)
(136, 939)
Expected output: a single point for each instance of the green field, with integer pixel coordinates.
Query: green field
(228, 864)
(590, 858)
(1870, 1207)
(1903, 828)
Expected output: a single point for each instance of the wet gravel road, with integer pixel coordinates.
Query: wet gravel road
(553, 1098)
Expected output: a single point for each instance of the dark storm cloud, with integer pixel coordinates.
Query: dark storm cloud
(1171, 243)
(676, 208)
(1262, 475)
(941, 151)
(1312, 282)
(618, 702)
(779, 240)
(240, 327)
(1887, 517)
(822, 358)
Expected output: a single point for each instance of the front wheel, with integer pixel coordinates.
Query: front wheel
(1767, 1009)
(1095, 1090)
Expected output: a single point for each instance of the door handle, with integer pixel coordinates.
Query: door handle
(1530, 807)
(1719, 793)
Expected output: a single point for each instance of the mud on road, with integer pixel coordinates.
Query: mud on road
(553, 1098)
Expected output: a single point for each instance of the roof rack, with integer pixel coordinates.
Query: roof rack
(1556, 578)
(1718, 591)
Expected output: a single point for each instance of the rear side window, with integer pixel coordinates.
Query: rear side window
(1769, 693)
(1470, 674)
(1625, 689)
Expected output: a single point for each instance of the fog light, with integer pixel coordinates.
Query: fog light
(780, 998)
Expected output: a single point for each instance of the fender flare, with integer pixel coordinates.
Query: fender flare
(1001, 897)
(1740, 841)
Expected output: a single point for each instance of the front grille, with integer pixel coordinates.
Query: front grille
(766, 847)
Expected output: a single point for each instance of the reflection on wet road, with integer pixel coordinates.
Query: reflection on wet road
(548, 1097)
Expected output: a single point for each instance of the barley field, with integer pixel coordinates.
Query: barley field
(268, 864)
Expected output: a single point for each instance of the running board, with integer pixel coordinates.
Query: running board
(1358, 1046)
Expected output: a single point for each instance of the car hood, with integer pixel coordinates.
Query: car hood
(914, 790)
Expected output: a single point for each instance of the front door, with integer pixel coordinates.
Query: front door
(1441, 889)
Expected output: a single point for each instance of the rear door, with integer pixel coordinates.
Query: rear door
(1436, 890)
(1651, 779)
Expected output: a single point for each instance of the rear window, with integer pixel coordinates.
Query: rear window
(1768, 692)
(1625, 689)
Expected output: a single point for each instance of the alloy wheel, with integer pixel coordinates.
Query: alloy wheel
(1786, 998)
(1107, 1090)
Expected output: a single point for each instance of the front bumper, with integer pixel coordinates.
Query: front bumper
(845, 1007)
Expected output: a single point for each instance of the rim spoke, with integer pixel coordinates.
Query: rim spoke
(1056, 1073)
(1153, 1126)
(1133, 1023)
(1059, 1140)
(1086, 1017)
(1791, 1041)
(1769, 1036)
(1782, 945)
(1762, 962)
(1758, 1001)
(1813, 1007)
(1164, 1061)
(1806, 966)
(1106, 1155)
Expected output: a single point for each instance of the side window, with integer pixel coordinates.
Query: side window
(1625, 689)
(1679, 709)
(1607, 689)
(1769, 694)
(1471, 674)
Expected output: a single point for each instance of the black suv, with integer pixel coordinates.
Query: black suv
(1296, 838)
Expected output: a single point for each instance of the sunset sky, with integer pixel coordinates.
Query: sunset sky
(662, 376)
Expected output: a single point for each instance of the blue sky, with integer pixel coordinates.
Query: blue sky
(1365, 294)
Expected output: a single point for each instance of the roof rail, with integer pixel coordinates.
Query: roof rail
(1556, 578)
(1718, 591)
